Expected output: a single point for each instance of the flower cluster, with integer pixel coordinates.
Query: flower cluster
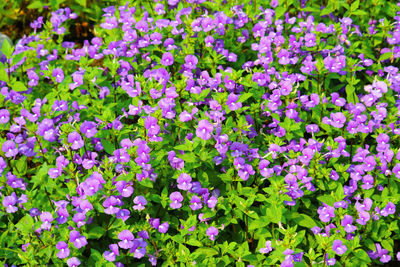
(203, 132)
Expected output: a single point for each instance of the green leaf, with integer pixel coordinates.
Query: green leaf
(355, 5)
(362, 255)
(3, 75)
(261, 222)
(147, 183)
(25, 224)
(279, 11)
(385, 56)
(21, 166)
(18, 86)
(327, 199)
(204, 252)
(95, 256)
(7, 48)
(96, 232)
(177, 239)
(188, 157)
(194, 242)
(108, 146)
(350, 93)
(305, 221)
(244, 97)
(36, 5)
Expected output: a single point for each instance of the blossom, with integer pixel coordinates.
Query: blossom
(184, 181)
(267, 248)
(58, 73)
(46, 218)
(78, 240)
(89, 129)
(204, 130)
(167, 59)
(9, 203)
(64, 250)
(140, 202)
(338, 119)
(4, 116)
(73, 262)
(9, 148)
(176, 199)
(126, 238)
(326, 213)
(338, 247)
(196, 203)
(212, 232)
(76, 140)
(111, 254)
(191, 62)
(232, 103)
(163, 228)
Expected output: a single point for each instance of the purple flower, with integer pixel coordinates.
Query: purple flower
(176, 199)
(347, 224)
(175, 162)
(246, 171)
(125, 189)
(312, 128)
(123, 214)
(46, 218)
(78, 240)
(326, 213)
(73, 262)
(167, 59)
(212, 232)
(338, 119)
(9, 148)
(111, 255)
(76, 140)
(9, 202)
(126, 238)
(58, 74)
(79, 218)
(110, 205)
(388, 210)
(184, 181)
(268, 247)
(232, 103)
(150, 123)
(163, 228)
(63, 250)
(196, 203)
(46, 129)
(204, 130)
(191, 62)
(396, 170)
(4, 116)
(89, 129)
(338, 247)
(140, 202)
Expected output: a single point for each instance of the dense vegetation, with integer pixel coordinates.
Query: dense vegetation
(206, 133)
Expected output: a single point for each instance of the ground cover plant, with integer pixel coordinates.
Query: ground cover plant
(204, 133)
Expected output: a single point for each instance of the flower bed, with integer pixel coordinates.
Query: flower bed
(204, 133)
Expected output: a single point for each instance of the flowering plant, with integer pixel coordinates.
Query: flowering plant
(203, 133)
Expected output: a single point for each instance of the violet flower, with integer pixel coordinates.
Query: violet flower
(204, 130)
(63, 250)
(212, 232)
(126, 238)
(338, 247)
(176, 199)
(140, 202)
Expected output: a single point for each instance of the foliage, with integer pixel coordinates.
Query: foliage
(203, 133)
